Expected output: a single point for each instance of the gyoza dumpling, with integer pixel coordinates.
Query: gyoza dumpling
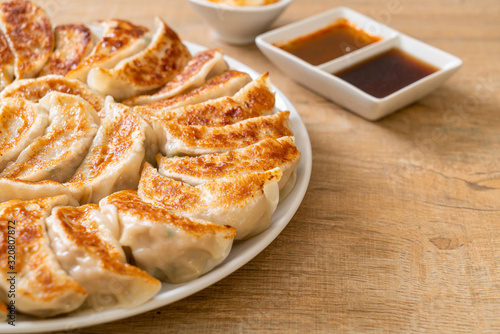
(176, 139)
(35, 89)
(245, 202)
(4, 79)
(59, 151)
(73, 43)
(6, 63)
(120, 39)
(172, 248)
(259, 157)
(203, 65)
(86, 248)
(149, 69)
(27, 190)
(43, 288)
(225, 84)
(21, 122)
(114, 161)
(253, 100)
(6, 56)
(29, 33)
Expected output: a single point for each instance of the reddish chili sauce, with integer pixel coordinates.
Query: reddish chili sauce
(328, 43)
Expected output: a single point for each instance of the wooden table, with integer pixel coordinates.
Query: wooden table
(399, 230)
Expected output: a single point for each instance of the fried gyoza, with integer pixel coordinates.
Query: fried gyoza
(147, 70)
(83, 242)
(43, 288)
(114, 160)
(59, 151)
(245, 202)
(73, 43)
(205, 64)
(120, 39)
(172, 248)
(29, 33)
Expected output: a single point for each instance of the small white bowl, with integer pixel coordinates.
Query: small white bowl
(321, 80)
(238, 24)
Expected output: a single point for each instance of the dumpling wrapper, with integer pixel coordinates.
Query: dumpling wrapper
(259, 157)
(114, 160)
(172, 248)
(245, 202)
(120, 39)
(21, 122)
(29, 33)
(203, 65)
(43, 288)
(35, 89)
(28, 190)
(253, 100)
(225, 84)
(73, 44)
(5, 79)
(59, 151)
(176, 139)
(147, 70)
(84, 242)
(6, 63)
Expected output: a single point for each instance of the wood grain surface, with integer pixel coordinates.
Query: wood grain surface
(399, 230)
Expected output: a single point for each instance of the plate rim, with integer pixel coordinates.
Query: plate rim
(251, 247)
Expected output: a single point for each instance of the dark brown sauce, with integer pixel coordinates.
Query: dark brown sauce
(386, 73)
(328, 43)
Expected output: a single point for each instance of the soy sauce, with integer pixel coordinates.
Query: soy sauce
(386, 73)
(328, 43)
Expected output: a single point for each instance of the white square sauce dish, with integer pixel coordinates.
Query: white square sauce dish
(371, 79)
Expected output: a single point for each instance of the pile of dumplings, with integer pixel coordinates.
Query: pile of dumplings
(126, 161)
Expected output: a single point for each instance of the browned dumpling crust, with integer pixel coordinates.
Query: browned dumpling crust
(59, 151)
(259, 157)
(179, 197)
(175, 139)
(203, 65)
(253, 100)
(149, 69)
(35, 89)
(43, 288)
(6, 63)
(6, 56)
(83, 242)
(245, 202)
(73, 43)
(114, 159)
(197, 65)
(225, 84)
(21, 122)
(128, 202)
(120, 39)
(173, 248)
(29, 32)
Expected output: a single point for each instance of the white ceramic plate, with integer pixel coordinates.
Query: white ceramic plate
(241, 253)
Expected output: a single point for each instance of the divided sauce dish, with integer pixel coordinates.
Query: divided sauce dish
(322, 79)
